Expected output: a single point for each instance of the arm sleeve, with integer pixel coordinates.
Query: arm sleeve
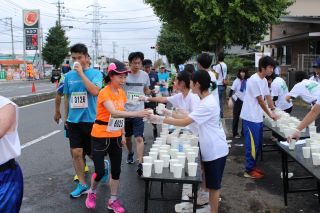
(65, 86)
(254, 89)
(200, 115)
(147, 83)
(97, 80)
(294, 91)
(174, 99)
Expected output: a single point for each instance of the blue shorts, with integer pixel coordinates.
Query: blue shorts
(134, 126)
(11, 190)
(213, 171)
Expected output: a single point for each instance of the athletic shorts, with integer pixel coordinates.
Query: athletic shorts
(80, 136)
(213, 171)
(134, 126)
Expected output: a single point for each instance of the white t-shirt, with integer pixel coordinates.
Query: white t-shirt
(218, 70)
(188, 103)
(251, 110)
(308, 90)
(10, 142)
(214, 92)
(279, 88)
(316, 79)
(236, 86)
(212, 139)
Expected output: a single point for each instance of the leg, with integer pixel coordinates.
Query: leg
(98, 152)
(138, 129)
(78, 163)
(214, 200)
(140, 148)
(115, 154)
(236, 114)
(129, 144)
(221, 91)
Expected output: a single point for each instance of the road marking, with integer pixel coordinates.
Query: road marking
(36, 103)
(39, 139)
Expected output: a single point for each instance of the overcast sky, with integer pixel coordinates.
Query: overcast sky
(131, 24)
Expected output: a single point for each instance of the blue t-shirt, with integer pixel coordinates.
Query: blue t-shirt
(73, 85)
(163, 77)
(153, 79)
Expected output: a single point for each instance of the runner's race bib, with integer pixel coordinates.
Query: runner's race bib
(115, 124)
(79, 100)
(134, 96)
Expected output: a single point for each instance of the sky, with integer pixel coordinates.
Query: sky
(131, 24)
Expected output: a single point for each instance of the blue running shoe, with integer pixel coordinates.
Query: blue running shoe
(105, 178)
(80, 190)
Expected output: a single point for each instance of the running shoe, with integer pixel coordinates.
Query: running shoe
(258, 170)
(91, 200)
(253, 174)
(105, 178)
(80, 190)
(130, 158)
(116, 206)
(140, 169)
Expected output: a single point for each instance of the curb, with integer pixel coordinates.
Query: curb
(30, 99)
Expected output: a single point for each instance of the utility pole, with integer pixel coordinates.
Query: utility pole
(59, 11)
(122, 54)
(11, 30)
(114, 49)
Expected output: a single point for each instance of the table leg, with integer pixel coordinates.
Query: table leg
(146, 196)
(162, 190)
(318, 185)
(195, 196)
(285, 176)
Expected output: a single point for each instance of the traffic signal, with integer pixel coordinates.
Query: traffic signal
(34, 40)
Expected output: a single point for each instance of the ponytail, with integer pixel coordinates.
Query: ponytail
(213, 85)
(204, 79)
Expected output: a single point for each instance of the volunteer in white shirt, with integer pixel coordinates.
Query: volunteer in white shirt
(316, 75)
(236, 95)
(184, 100)
(212, 138)
(11, 179)
(252, 115)
(279, 91)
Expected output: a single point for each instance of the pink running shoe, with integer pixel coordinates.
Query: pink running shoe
(91, 200)
(116, 206)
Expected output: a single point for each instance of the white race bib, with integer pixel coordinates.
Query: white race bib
(115, 124)
(134, 96)
(79, 100)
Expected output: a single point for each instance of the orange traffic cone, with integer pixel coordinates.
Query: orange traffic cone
(33, 89)
(57, 84)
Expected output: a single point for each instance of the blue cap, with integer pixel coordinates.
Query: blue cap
(316, 63)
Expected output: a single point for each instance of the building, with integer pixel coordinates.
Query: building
(295, 41)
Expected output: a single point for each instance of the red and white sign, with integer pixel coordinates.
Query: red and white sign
(31, 18)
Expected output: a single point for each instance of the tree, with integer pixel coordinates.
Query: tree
(171, 43)
(56, 48)
(212, 25)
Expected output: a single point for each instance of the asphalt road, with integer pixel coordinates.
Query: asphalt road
(48, 170)
(48, 173)
(23, 88)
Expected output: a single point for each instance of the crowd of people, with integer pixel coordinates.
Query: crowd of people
(104, 113)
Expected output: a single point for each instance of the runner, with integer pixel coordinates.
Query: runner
(11, 179)
(137, 84)
(81, 89)
(154, 80)
(252, 115)
(212, 139)
(164, 79)
(108, 134)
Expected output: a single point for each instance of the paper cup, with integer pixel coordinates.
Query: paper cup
(172, 162)
(192, 169)
(147, 159)
(158, 166)
(316, 159)
(166, 159)
(154, 155)
(306, 152)
(163, 152)
(177, 170)
(147, 167)
(154, 150)
(195, 149)
(173, 153)
(191, 156)
(156, 146)
(182, 160)
(292, 144)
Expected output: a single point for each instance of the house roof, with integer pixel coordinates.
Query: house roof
(11, 62)
(291, 38)
(301, 19)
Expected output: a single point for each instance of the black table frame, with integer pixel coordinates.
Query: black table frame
(164, 178)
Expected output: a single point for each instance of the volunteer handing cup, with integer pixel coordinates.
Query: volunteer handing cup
(147, 167)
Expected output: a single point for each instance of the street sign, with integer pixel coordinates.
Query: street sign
(31, 39)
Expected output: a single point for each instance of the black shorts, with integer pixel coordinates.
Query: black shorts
(134, 126)
(213, 171)
(80, 136)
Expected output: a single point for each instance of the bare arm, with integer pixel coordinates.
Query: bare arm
(310, 117)
(66, 107)
(263, 106)
(158, 99)
(178, 122)
(93, 89)
(270, 102)
(147, 91)
(123, 114)
(57, 114)
(7, 119)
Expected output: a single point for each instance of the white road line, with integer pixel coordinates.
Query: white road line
(36, 103)
(39, 139)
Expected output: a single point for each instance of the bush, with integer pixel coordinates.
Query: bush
(234, 63)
